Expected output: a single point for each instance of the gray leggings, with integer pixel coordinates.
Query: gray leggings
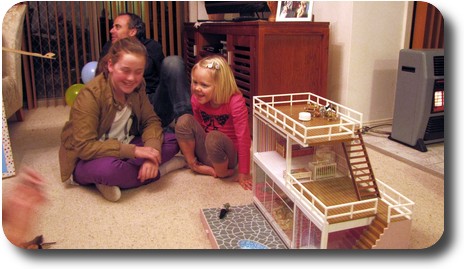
(212, 147)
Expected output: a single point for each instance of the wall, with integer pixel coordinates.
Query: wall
(365, 40)
(197, 11)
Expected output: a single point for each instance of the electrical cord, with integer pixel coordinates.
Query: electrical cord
(366, 129)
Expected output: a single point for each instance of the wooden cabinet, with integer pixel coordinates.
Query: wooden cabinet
(266, 57)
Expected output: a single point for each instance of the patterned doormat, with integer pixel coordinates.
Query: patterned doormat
(244, 227)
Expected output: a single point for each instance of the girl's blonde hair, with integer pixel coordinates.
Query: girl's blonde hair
(225, 85)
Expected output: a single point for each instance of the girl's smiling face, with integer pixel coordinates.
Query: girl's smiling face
(127, 73)
(203, 85)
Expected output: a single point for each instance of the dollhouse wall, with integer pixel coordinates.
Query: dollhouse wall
(396, 236)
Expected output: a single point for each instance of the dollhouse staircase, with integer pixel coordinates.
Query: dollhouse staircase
(371, 235)
(360, 168)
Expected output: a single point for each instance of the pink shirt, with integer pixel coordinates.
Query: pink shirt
(231, 119)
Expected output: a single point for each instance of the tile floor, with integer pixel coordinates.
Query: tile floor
(433, 160)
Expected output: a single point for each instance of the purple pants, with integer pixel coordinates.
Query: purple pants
(113, 171)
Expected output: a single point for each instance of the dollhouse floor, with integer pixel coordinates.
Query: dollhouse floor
(340, 191)
(312, 135)
(242, 228)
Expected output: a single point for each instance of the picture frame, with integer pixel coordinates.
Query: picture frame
(294, 11)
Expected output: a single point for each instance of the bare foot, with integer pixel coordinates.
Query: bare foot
(203, 169)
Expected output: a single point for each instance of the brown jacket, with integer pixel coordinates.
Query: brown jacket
(91, 117)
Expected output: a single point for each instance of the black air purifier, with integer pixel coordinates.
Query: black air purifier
(419, 116)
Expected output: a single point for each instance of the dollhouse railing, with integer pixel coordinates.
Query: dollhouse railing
(347, 123)
(323, 211)
(398, 205)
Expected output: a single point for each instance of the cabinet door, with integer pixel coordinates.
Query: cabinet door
(241, 51)
(292, 62)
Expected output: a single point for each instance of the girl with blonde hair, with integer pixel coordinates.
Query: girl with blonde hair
(217, 137)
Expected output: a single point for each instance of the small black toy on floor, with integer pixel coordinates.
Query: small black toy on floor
(224, 211)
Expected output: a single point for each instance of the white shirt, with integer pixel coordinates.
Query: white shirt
(120, 128)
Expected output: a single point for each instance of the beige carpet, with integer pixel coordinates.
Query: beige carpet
(165, 214)
(432, 161)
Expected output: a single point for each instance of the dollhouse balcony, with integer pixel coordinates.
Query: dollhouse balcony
(392, 206)
(282, 111)
(334, 200)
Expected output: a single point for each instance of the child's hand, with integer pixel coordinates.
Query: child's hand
(148, 153)
(147, 170)
(245, 181)
(20, 205)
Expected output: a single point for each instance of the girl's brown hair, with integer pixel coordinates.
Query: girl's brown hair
(129, 45)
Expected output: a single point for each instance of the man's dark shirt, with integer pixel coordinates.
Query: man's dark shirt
(154, 59)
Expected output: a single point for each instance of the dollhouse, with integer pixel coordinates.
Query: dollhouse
(313, 181)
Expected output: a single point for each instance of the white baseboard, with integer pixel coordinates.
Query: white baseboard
(378, 122)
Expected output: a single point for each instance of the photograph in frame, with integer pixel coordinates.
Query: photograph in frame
(294, 11)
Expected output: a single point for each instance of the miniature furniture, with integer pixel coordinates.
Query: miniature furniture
(12, 37)
(320, 192)
(266, 57)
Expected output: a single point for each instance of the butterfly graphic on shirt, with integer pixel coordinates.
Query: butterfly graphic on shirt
(211, 121)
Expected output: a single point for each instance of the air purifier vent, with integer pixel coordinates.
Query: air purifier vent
(435, 128)
(439, 65)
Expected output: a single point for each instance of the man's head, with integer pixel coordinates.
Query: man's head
(126, 25)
